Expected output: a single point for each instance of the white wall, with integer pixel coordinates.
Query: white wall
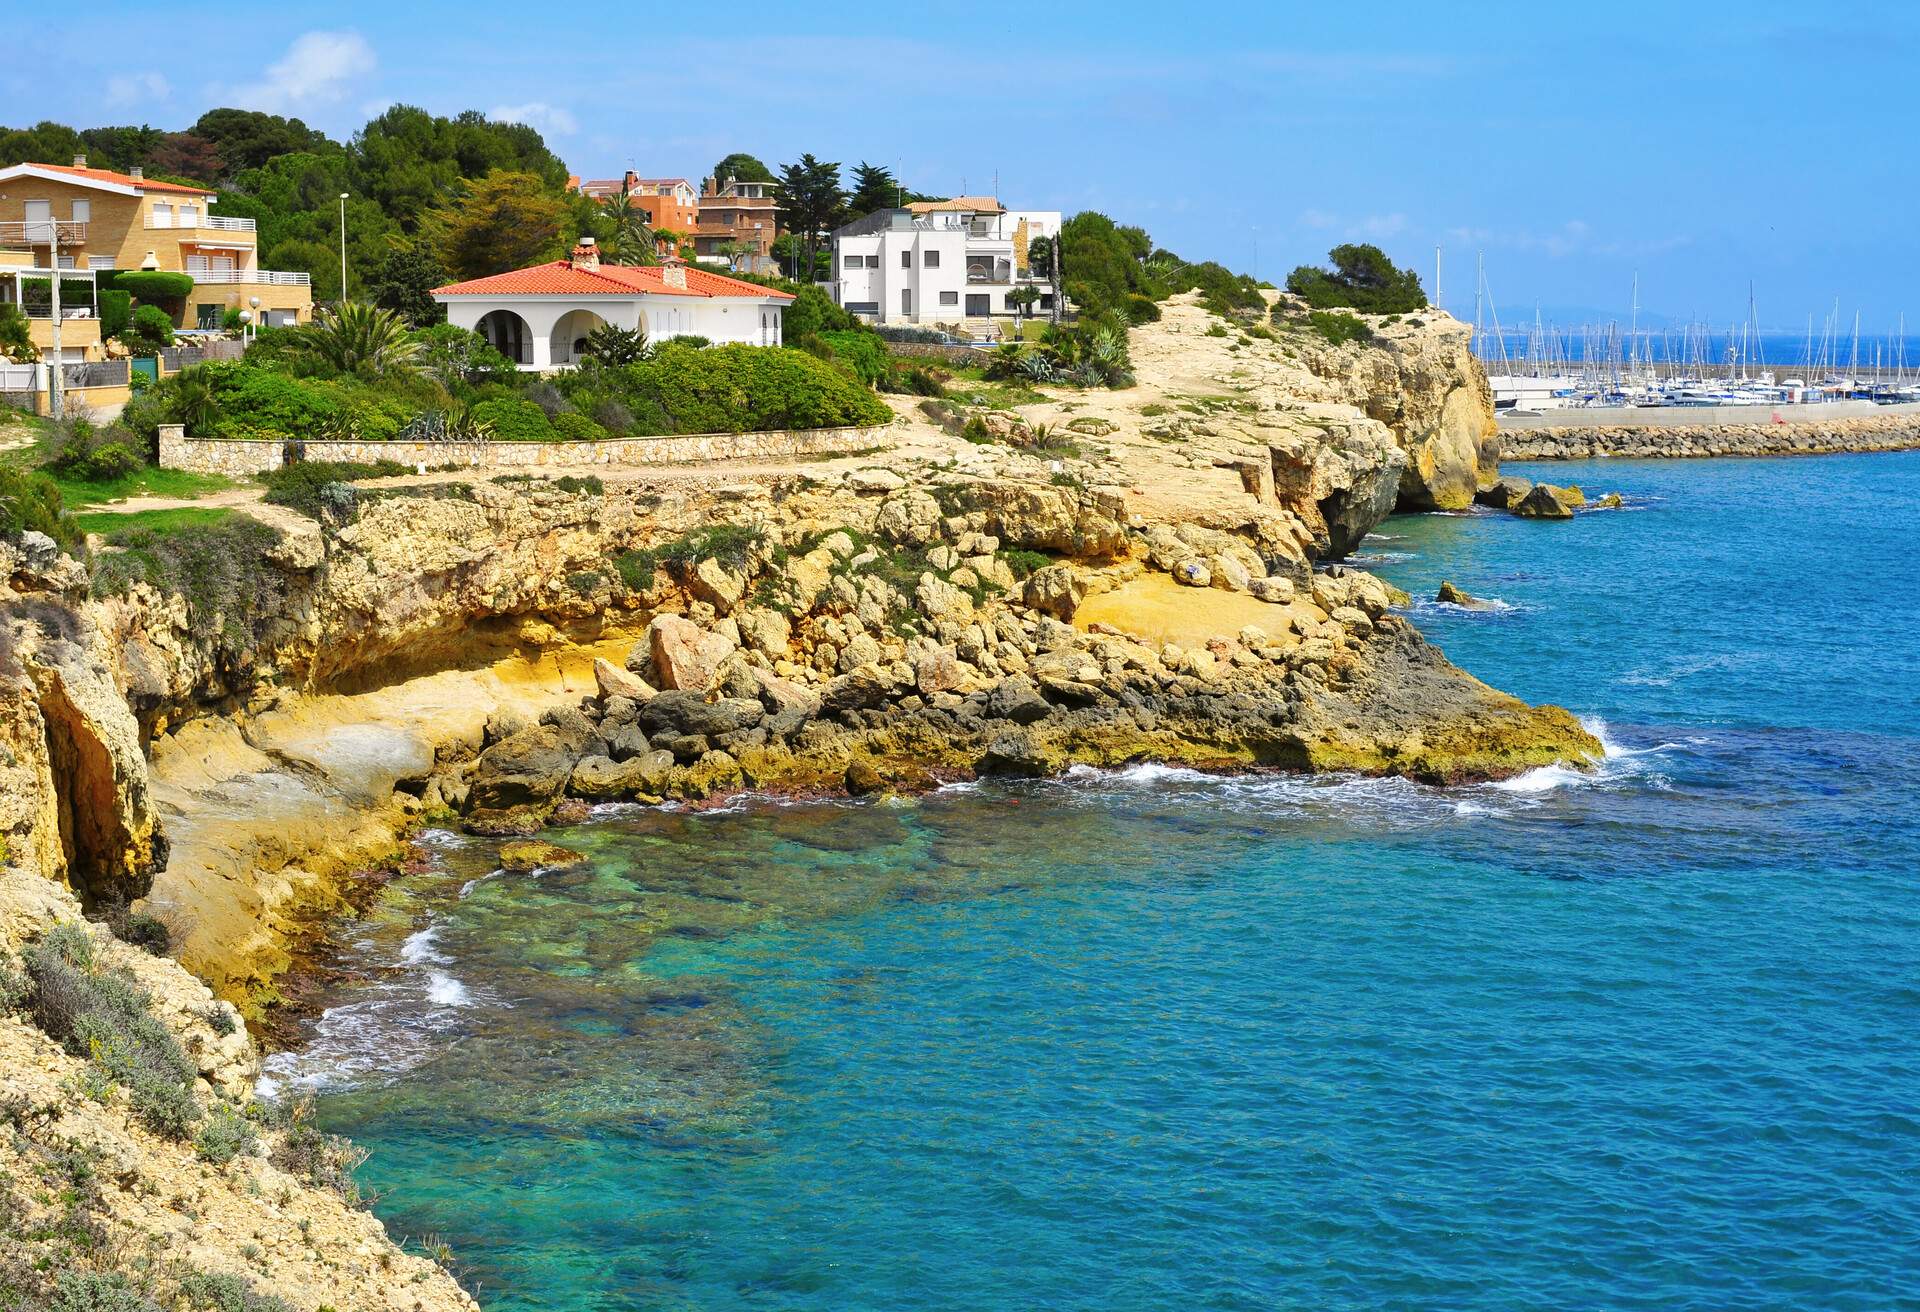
(748, 319)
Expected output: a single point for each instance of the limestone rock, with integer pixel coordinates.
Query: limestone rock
(616, 682)
(684, 712)
(936, 670)
(860, 689)
(909, 518)
(1504, 493)
(1194, 573)
(685, 656)
(528, 769)
(1015, 698)
(527, 855)
(1452, 596)
(718, 586)
(601, 779)
(1277, 591)
(765, 631)
(1057, 590)
(1544, 501)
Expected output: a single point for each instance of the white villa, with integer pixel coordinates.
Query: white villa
(939, 262)
(539, 317)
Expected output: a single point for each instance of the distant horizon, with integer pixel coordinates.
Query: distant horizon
(1573, 153)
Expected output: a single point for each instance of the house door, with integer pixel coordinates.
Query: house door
(906, 301)
(39, 216)
(979, 305)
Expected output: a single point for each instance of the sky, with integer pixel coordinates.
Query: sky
(1704, 147)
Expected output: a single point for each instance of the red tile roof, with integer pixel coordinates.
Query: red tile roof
(560, 278)
(123, 179)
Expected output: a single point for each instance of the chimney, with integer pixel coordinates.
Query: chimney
(137, 173)
(79, 161)
(674, 275)
(586, 255)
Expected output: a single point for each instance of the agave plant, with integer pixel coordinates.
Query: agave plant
(1038, 367)
(357, 338)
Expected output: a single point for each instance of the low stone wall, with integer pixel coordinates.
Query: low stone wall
(241, 459)
(961, 355)
(1897, 432)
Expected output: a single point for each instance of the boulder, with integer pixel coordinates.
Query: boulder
(1276, 591)
(1452, 596)
(718, 586)
(682, 712)
(615, 682)
(780, 695)
(601, 779)
(875, 480)
(529, 768)
(626, 742)
(857, 690)
(1543, 501)
(766, 631)
(941, 602)
(909, 518)
(1057, 590)
(1014, 753)
(1504, 493)
(1015, 698)
(685, 656)
(936, 670)
(1194, 573)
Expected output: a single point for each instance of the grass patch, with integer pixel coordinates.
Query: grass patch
(107, 524)
(177, 484)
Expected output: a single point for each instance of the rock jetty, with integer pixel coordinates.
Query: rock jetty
(1898, 432)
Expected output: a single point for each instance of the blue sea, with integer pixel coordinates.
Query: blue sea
(1645, 1038)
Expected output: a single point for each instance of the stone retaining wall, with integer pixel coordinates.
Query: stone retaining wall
(960, 355)
(241, 459)
(1630, 441)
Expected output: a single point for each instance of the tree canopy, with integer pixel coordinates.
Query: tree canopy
(811, 202)
(742, 166)
(1362, 278)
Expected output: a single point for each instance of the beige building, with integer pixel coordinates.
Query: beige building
(101, 220)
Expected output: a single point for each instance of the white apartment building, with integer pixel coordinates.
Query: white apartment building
(939, 262)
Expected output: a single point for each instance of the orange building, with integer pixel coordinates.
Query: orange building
(669, 203)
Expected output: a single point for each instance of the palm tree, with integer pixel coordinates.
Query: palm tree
(357, 338)
(633, 238)
(193, 402)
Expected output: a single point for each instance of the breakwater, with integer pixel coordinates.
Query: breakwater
(1895, 431)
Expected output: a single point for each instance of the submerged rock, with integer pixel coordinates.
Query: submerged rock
(526, 855)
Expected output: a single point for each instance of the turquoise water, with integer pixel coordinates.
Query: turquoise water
(1155, 1041)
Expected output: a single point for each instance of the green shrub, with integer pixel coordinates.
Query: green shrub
(252, 402)
(1338, 329)
(321, 1159)
(148, 331)
(31, 502)
(576, 427)
(917, 380)
(514, 419)
(637, 568)
(1023, 562)
(588, 484)
(106, 1016)
(297, 486)
(224, 1135)
(216, 568)
(16, 339)
(1362, 278)
(205, 1292)
(460, 357)
(116, 311)
(862, 352)
(736, 389)
(152, 285)
(812, 312)
(93, 1291)
(1140, 309)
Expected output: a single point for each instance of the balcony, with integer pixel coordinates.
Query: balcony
(212, 277)
(209, 222)
(37, 232)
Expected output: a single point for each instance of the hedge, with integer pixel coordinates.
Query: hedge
(116, 311)
(514, 419)
(743, 389)
(153, 284)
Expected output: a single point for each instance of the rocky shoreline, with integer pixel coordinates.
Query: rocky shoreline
(226, 738)
(1829, 437)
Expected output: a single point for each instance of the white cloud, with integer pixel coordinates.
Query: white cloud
(316, 70)
(550, 120)
(130, 88)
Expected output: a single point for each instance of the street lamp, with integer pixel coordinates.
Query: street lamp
(343, 246)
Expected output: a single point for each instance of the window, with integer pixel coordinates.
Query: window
(930, 260)
(906, 300)
(979, 305)
(906, 259)
(207, 317)
(162, 214)
(949, 298)
(82, 211)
